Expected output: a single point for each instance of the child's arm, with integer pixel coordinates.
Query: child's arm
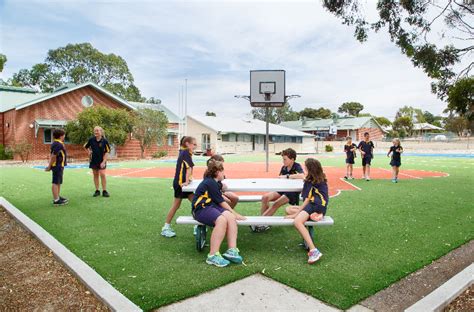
(389, 152)
(227, 207)
(51, 161)
(400, 149)
(298, 210)
(297, 176)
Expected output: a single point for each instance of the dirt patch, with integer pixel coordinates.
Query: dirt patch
(31, 278)
(465, 302)
(417, 285)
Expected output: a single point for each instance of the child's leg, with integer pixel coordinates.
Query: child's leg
(364, 170)
(233, 198)
(95, 172)
(291, 210)
(173, 209)
(190, 197)
(394, 172)
(347, 170)
(277, 204)
(368, 171)
(55, 190)
(217, 236)
(397, 170)
(351, 168)
(266, 199)
(300, 219)
(232, 229)
(103, 179)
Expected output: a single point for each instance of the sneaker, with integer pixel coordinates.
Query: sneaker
(264, 228)
(367, 179)
(168, 232)
(253, 228)
(217, 260)
(345, 177)
(314, 255)
(60, 202)
(105, 194)
(233, 256)
(394, 180)
(97, 193)
(65, 199)
(195, 230)
(352, 178)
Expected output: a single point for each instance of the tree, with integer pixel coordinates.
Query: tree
(79, 63)
(211, 114)
(384, 122)
(312, 113)
(461, 98)
(403, 125)
(415, 114)
(153, 100)
(3, 60)
(117, 124)
(150, 127)
(276, 115)
(351, 108)
(456, 124)
(410, 24)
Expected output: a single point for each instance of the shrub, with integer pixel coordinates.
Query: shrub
(160, 154)
(23, 149)
(5, 153)
(329, 148)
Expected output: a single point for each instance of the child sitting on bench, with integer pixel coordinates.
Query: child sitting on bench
(210, 208)
(316, 198)
(231, 198)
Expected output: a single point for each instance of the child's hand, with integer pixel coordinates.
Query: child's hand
(185, 183)
(224, 187)
(362, 153)
(239, 216)
(47, 168)
(102, 165)
(291, 216)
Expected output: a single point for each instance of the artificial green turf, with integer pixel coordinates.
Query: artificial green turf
(381, 233)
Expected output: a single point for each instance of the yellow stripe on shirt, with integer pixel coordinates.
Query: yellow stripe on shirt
(323, 201)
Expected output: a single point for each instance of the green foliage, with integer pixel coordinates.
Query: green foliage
(160, 154)
(3, 60)
(409, 24)
(384, 122)
(23, 149)
(403, 125)
(329, 148)
(350, 108)
(5, 153)
(153, 100)
(211, 114)
(311, 113)
(414, 114)
(150, 127)
(117, 124)
(461, 98)
(456, 124)
(79, 63)
(276, 115)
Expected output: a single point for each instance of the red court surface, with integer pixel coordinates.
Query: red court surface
(257, 170)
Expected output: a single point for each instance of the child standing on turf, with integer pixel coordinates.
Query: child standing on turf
(210, 208)
(98, 148)
(396, 150)
(57, 161)
(182, 177)
(366, 148)
(230, 198)
(316, 199)
(350, 150)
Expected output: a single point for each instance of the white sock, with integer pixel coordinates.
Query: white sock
(167, 226)
(56, 199)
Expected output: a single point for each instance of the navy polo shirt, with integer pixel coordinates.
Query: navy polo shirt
(184, 162)
(207, 193)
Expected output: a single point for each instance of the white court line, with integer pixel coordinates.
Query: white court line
(356, 187)
(405, 174)
(127, 173)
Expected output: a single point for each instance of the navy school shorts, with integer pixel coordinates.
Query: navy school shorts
(294, 198)
(311, 208)
(366, 161)
(209, 214)
(178, 192)
(57, 175)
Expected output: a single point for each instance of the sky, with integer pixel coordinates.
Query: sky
(214, 45)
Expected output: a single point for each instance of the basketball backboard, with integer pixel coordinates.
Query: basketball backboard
(267, 88)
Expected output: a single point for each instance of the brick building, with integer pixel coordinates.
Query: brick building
(31, 116)
(354, 127)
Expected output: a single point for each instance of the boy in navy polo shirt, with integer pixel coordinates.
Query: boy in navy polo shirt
(98, 147)
(57, 161)
(366, 148)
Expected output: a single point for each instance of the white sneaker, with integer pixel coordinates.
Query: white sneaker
(167, 232)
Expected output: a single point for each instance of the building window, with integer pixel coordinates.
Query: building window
(225, 138)
(206, 141)
(48, 137)
(244, 138)
(170, 140)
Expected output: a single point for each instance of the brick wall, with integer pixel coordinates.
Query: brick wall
(65, 107)
(376, 134)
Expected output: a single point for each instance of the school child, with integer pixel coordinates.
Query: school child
(396, 150)
(57, 161)
(231, 198)
(98, 148)
(366, 148)
(182, 177)
(316, 199)
(350, 150)
(210, 208)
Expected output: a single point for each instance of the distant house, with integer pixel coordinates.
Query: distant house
(424, 128)
(354, 127)
(235, 135)
(31, 116)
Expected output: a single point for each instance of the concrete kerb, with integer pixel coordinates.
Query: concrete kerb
(98, 285)
(446, 293)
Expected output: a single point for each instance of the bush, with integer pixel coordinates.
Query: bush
(23, 149)
(5, 153)
(160, 154)
(329, 148)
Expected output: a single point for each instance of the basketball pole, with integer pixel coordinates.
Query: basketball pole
(267, 125)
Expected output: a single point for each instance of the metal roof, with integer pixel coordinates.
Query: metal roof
(172, 117)
(345, 123)
(225, 125)
(425, 126)
(11, 97)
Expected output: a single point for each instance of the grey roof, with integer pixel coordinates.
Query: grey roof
(345, 123)
(172, 117)
(10, 97)
(50, 123)
(425, 126)
(226, 125)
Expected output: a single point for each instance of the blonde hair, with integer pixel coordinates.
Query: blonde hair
(396, 140)
(102, 132)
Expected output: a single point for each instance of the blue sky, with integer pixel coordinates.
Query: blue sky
(214, 44)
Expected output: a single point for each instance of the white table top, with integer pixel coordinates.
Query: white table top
(255, 185)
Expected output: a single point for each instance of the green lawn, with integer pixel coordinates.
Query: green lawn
(381, 233)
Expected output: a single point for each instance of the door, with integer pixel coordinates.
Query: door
(206, 142)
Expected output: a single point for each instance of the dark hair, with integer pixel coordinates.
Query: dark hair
(315, 171)
(348, 138)
(290, 153)
(185, 140)
(366, 133)
(57, 133)
(215, 157)
(213, 167)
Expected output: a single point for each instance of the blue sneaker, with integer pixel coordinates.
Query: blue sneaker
(233, 256)
(314, 255)
(394, 180)
(195, 230)
(167, 232)
(217, 260)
